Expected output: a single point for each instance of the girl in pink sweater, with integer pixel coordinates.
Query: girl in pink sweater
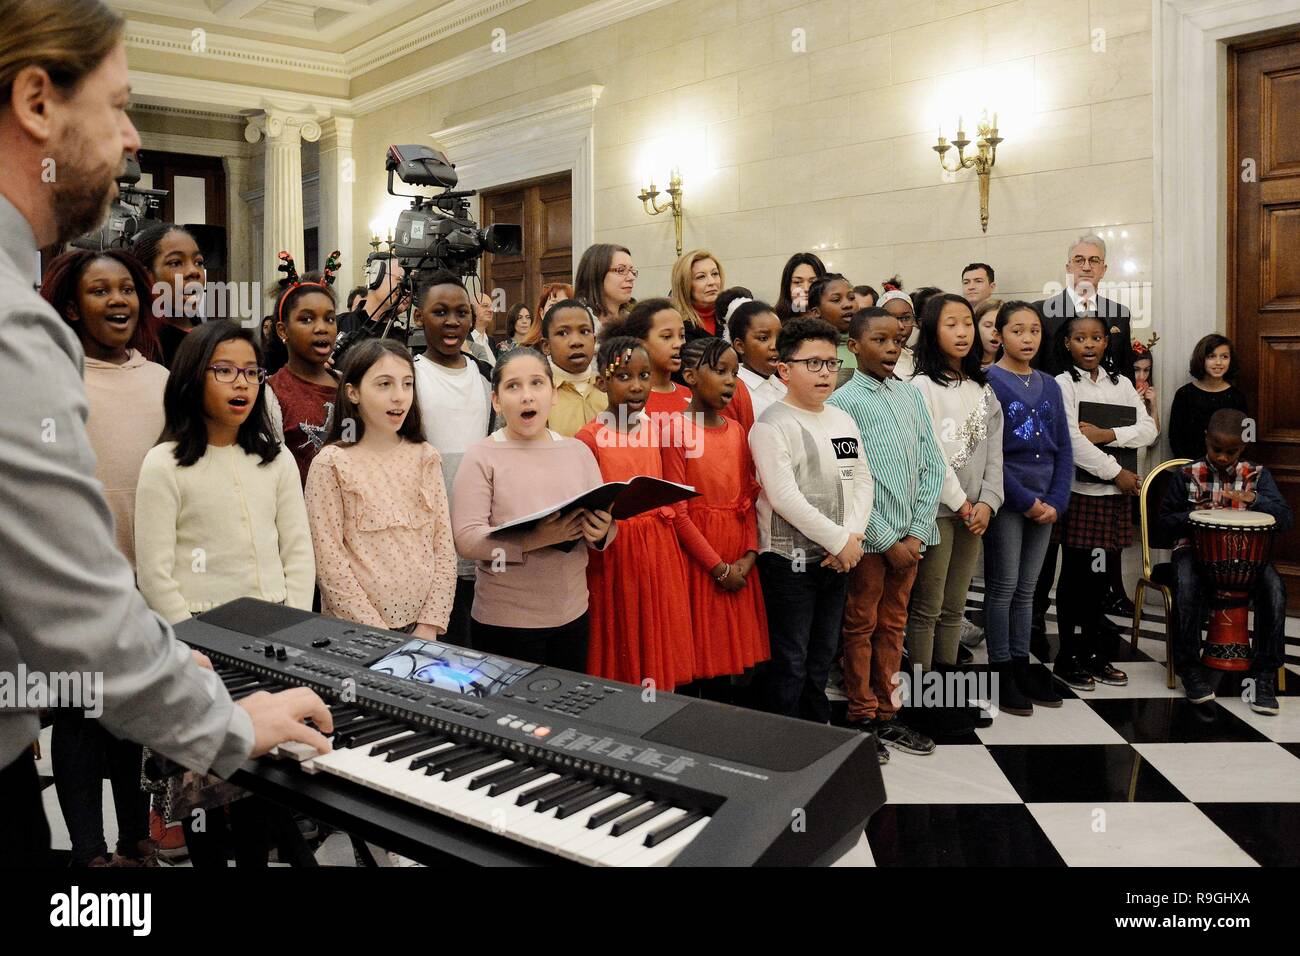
(530, 595)
(377, 504)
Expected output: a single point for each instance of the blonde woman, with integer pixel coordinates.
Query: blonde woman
(697, 279)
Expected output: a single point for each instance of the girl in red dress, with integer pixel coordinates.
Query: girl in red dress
(640, 610)
(719, 529)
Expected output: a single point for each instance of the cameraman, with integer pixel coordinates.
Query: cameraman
(377, 301)
(68, 601)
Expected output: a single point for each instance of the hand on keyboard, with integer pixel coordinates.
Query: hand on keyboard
(279, 717)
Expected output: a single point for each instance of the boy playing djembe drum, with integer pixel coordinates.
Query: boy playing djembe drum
(1223, 480)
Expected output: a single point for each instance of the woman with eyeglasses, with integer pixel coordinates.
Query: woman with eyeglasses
(604, 281)
(225, 519)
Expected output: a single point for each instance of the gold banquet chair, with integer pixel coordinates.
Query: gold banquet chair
(1160, 577)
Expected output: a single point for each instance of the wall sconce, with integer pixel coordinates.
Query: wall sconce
(649, 192)
(986, 154)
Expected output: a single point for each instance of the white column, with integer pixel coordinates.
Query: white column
(337, 174)
(282, 184)
(239, 267)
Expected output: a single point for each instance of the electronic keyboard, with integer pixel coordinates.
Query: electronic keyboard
(443, 753)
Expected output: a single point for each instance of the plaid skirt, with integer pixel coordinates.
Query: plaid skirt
(1096, 521)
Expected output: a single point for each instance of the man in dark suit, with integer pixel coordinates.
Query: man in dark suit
(1085, 266)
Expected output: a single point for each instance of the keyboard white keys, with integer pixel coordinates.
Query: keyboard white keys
(571, 833)
(613, 848)
(665, 852)
(569, 837)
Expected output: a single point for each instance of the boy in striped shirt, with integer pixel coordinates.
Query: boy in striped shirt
(908, 468)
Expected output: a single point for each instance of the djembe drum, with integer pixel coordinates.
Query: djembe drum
(1233, 546)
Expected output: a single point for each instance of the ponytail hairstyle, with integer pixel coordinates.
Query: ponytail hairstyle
(518, 352)
(921, 296)
(184, 392)
(147, 243)
(743, 316)
(1066, 361)
(930, 360)
(68, 39)
(1009, 308)
(637, 322)
(360, 358)
(725, 298)
(61, 289)
(818, 288)
(784, 306)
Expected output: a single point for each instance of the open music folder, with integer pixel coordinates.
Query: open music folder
(622, 499)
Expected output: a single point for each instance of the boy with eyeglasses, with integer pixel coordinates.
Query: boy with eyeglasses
(908, 468)
(815, 500)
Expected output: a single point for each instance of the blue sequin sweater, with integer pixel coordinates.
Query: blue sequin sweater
(1036, 457)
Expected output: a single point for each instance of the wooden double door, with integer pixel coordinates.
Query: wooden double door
(544, 207)
(1264, 261)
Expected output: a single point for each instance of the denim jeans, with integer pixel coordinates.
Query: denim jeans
(1193, 590)
(1014, 548)
(805, 609)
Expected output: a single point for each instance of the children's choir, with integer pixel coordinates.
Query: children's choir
(851, 475)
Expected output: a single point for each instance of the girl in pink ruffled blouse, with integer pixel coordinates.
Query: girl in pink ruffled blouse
(377, 504)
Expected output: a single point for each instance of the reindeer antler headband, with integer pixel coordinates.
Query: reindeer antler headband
(290, 271)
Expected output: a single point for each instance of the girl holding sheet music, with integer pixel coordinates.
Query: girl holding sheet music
(640, 606)
(1099, 520)
(530, 592)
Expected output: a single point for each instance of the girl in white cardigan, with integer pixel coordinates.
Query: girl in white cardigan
(220, 510)
(967, 420)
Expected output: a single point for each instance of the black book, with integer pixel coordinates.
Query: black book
(1104, 415)
(622, 499)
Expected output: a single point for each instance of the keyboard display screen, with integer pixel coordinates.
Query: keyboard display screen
(452, 669)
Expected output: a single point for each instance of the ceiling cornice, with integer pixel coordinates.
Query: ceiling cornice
(422, 31)
(156, 38)
(593, 16)
(233, 98)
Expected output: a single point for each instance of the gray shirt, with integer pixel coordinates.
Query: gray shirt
(68, 601)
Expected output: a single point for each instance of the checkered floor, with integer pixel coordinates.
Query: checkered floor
(1123, 776)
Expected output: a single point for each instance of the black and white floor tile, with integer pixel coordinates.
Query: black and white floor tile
(1123, 776)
